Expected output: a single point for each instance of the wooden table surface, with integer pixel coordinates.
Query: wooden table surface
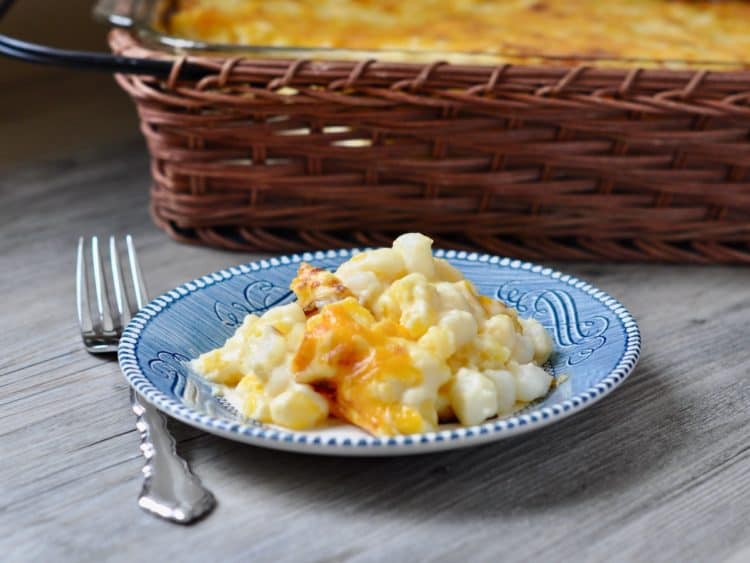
(658, 471)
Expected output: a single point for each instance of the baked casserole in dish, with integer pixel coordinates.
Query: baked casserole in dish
(677, 33)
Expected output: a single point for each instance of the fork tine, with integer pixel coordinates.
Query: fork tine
(100, 288)
(83, 305)
(139, 285)
(119, 312)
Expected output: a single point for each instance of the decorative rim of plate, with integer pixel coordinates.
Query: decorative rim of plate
(280, 438)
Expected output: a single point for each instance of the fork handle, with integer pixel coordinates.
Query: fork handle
(170, 490)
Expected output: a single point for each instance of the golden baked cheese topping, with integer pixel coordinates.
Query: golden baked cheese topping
(689, 31)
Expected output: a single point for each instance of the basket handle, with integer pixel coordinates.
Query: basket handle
(41, 54)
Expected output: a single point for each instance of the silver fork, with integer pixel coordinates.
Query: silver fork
(170, 490)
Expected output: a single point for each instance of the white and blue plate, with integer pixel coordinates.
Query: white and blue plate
(596, 346)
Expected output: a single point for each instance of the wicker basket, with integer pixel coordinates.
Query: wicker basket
(535, 162)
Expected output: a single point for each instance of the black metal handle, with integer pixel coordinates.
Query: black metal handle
(40, 54)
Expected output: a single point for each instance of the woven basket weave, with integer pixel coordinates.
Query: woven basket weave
(536, 162)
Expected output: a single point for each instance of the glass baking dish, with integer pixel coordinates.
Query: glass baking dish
(147, 18)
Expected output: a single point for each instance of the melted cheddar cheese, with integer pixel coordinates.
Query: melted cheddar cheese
(676, 32)
(362, 366)
(395, 341)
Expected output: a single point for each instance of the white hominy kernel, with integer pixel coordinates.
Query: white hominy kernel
(540, 339)
(532, 382)
(416, 250)
(461, 325)
(523, 349)
(505, 387)
(473, 397)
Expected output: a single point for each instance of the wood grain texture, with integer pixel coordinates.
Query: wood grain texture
(658, 471)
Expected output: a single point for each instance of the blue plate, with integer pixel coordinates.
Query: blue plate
(597, 344)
